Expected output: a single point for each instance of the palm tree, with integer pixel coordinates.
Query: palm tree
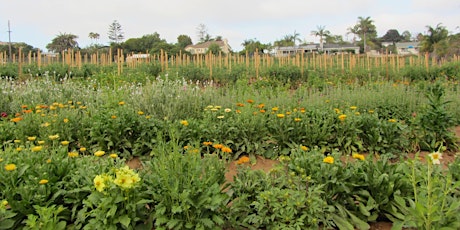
(364, 27)
(321, 32)
(434, 36)
(353, 30)
(62, 42)
(94, 36)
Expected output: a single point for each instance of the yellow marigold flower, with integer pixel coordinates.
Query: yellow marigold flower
(220, 117)
(357, 113)
(46, 124)
(371, 111)
(1, 159)
(79, 103)
(83, 107)
(297, 119)
(55, 103)
(329, 160)
(353, 107)
(99, 183)
(41, 142)
(327, 101)
(72, 154)
(113, 155)
(288, 113)
(274, 109)
(48, 161)
(392, 120)
(66, 120)
(280, 115)
(53, 137)
(121, 103)
(31, 138)
(214, 109)
(113, 117)
(227, 110)
(337, 110)
(43, 181)
(99, 153)
(435, 157)
(37, 148)
(358, 156)
(17, 119)
(342, 117)
(38, 111)
(184, 122)
(82, 149)
(10, 167)
(243, 159)
(217, 107)
(19, 149)
(17, 141)
(140, 112)
(126, 178)
(65, 143)
(226, 149)
(304, 148)
(207, 143)
(52, 107)
(69, 102)
(4, 203)
(218, 146)
(302, 110)
(61, 105)
(148, 117)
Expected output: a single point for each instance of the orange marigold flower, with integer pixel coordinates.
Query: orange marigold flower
(23, 106)
(250, 101)
(240, 104)
(207, 143)
(17, 119)
(261, 106)
(218, 146)
(226, 149)
(243, 159)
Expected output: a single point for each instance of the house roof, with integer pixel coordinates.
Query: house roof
(407, 44)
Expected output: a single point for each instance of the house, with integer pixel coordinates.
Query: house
(407, 48)
(202, 48)
(314, 47)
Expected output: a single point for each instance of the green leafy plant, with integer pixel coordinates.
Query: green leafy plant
(46, 218)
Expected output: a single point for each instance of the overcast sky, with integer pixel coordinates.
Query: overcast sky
(37, 22)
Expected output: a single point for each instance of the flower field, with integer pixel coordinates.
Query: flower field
(66, 140)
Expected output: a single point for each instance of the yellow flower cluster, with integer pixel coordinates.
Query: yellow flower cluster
(329, 160)
(126, 178)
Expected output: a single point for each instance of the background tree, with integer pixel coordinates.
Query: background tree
(322, 33)
(288, 40)
(435, 38)
(407, 36)
(366, 30)
(25, 48)
(94, 36)
(251, 45)
(183, 41)
(62, 42)
(392, 36)
(214, 48)
(147, 43)
(353, 30)
(202, 32)
(335, 39)
(115, 33)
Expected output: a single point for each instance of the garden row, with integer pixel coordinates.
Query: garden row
(48, 187)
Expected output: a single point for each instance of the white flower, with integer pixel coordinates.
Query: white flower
(435, 157)
(227, 110)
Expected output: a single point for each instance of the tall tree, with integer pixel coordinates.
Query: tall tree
(202, 32)
(353, 30)
(366, 30)
(434, 38)
(407, 36)
(183, 41)
(322, 33)
(62, 42)
(392, 36)
(94, 36)
(251, 45)
(288, 40)
(115, 33)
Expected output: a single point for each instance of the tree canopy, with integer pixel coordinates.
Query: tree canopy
(115, 33)
(63, 42)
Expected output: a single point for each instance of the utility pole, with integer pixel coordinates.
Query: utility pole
(9, 41)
